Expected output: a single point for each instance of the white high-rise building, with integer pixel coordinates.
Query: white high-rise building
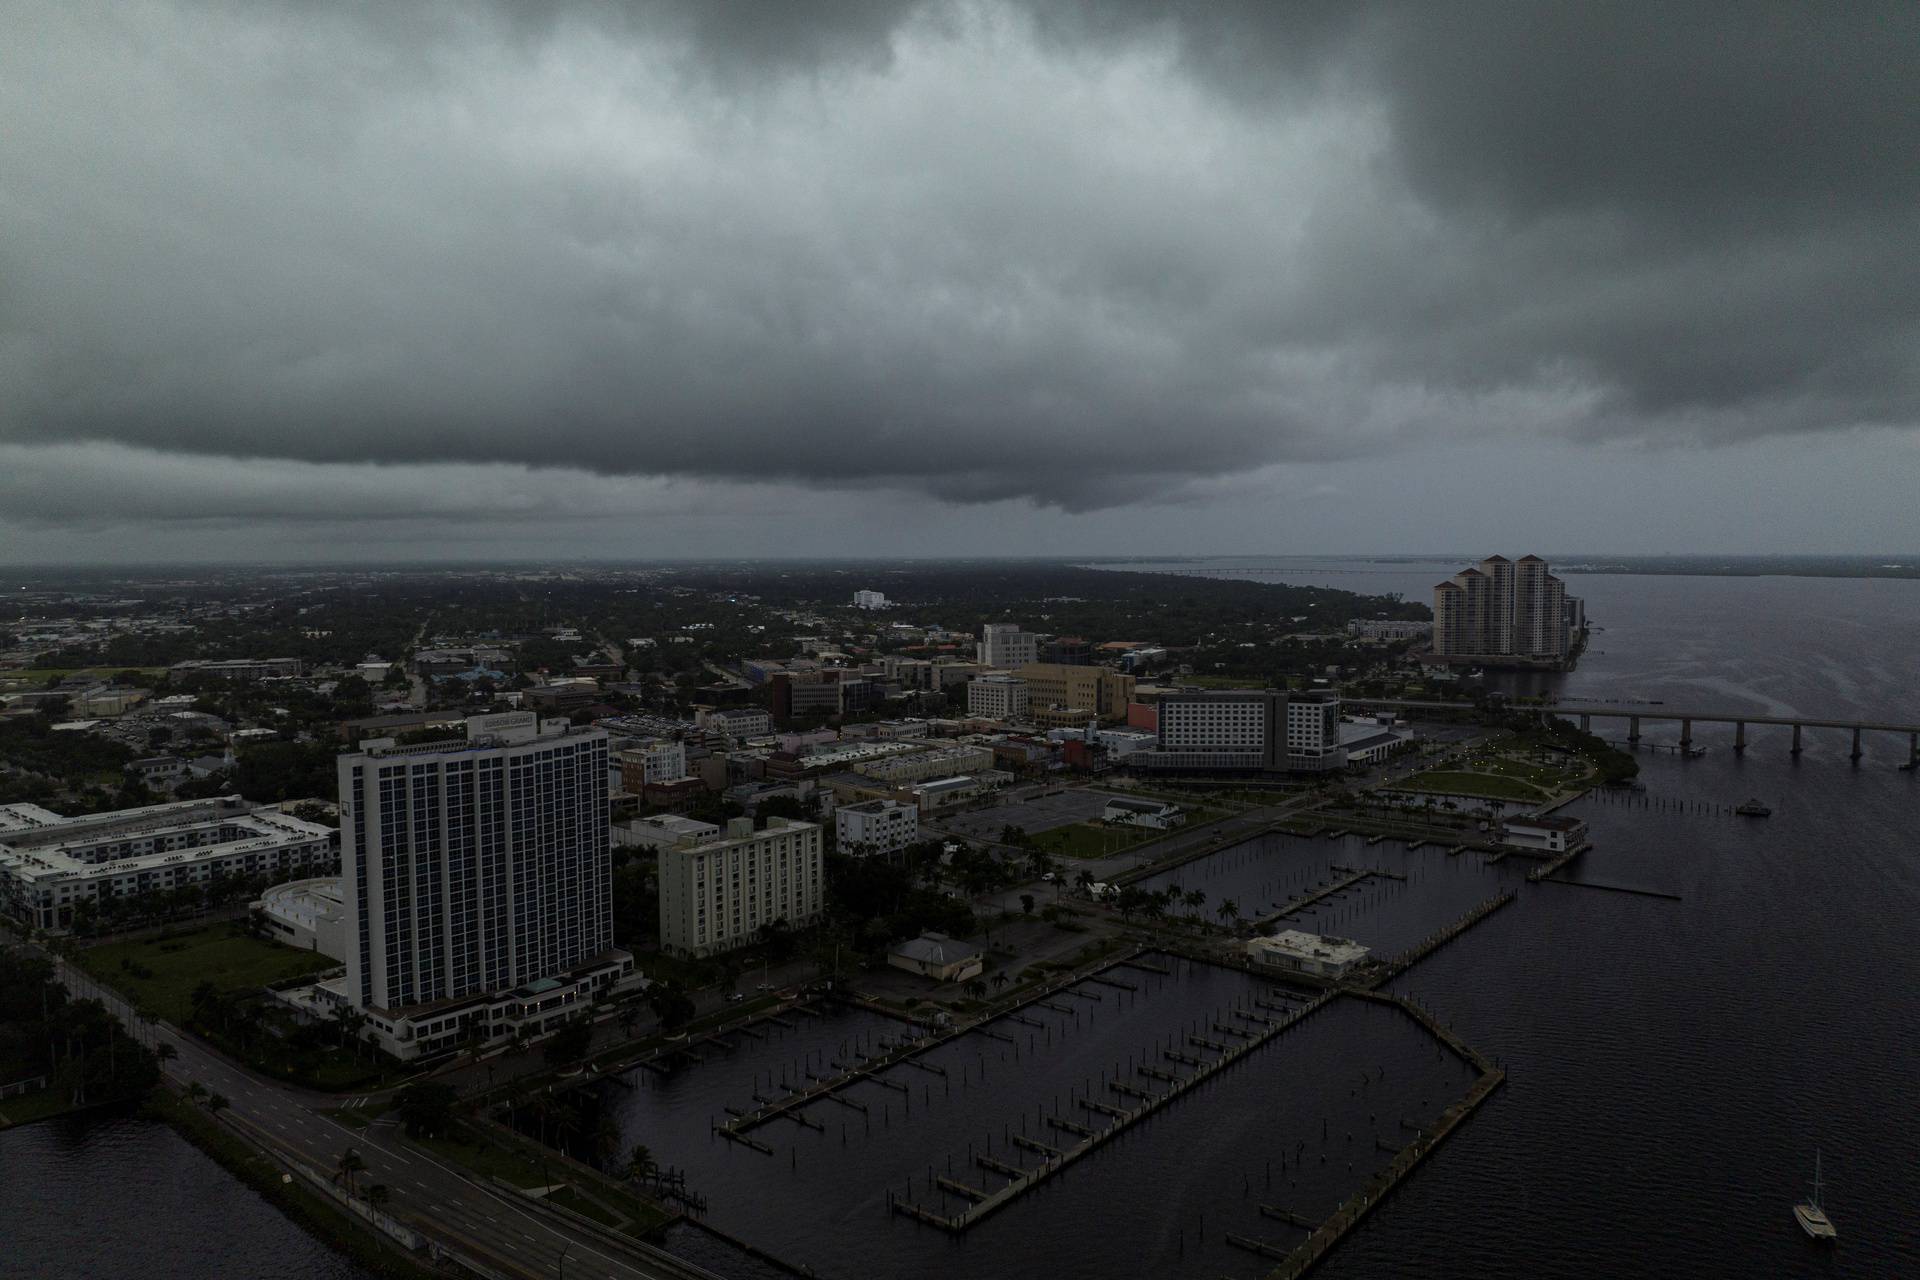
(1006, 646)
(716, 895)
(477, 881)
(869, 600)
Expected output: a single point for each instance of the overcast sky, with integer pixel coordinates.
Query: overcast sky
(707, 278)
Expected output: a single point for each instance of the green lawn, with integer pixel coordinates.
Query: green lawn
(605, 1202)
(40, 675)
(160, 973)
(1083, 840)
(38, 1105)
(1491, 786)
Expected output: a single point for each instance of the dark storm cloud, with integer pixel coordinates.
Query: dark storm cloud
(1078, 254)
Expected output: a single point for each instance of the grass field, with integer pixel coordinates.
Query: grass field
(24, 1108)
(1487, 785)
(1084, 840)
(161, 973)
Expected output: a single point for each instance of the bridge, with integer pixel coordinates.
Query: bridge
(1586, 714)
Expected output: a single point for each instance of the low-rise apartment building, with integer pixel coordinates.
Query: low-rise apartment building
(50, 865)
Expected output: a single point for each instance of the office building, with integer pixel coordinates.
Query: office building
(739, 723)
(478, 882)
(869, 600)
(997, 697)
(1067, 651)
(651, 762)
(1502, 612)
(875, 826)
(1005, 646)
(936, 762)
(719, 894)
(1241, 730)
(51, 866)
(1103, 692)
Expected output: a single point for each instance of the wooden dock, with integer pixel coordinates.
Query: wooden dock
(1306, 900)
(1421, 950)
(1123, 1119)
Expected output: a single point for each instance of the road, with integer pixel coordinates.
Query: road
(466, 1217)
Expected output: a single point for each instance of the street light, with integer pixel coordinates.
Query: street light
(563, 1259)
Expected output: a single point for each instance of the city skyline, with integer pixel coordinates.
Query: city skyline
(964, 277)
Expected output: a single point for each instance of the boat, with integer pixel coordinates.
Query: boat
(1752, 809)
(1812, 1218)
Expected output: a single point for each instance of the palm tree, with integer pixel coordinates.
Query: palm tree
(165, 1051)
(640, 1163)
(606, 1139)
(1196, 898)
(196, 1092)
(216, 1103)
(349, 1164)
(1229, 910)
(1000, 980)
(976, 990)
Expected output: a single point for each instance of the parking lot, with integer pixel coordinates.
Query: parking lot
(1042, 813)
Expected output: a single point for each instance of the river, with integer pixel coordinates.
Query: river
(112, 1197)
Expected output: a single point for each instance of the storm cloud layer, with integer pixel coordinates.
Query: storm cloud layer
(1077, 256)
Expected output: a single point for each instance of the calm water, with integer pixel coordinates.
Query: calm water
(127, 1199)
(1306, 1111)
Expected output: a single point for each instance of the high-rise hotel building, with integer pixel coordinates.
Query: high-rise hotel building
(1502, 608)
(477, 881)
(1243, 730)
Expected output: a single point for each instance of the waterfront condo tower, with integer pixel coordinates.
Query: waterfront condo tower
(1502, 609)
(474, 865)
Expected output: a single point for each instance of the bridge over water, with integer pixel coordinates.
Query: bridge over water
(1586, 714)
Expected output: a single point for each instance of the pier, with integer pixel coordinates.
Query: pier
(1421, 950)
(1123, 1119)
(1351, 877)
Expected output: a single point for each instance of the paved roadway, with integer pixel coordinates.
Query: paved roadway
(436, 1199)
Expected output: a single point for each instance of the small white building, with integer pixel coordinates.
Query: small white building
(936, 956)
(876, 826)
(308, 914)
(1551, 834)
(942, 792)
(1157, 814)
(1294, 951)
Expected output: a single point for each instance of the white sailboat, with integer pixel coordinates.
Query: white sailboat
(1812, 1218)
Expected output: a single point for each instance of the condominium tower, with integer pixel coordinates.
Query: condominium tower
(1502, 608)
(476, 866)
